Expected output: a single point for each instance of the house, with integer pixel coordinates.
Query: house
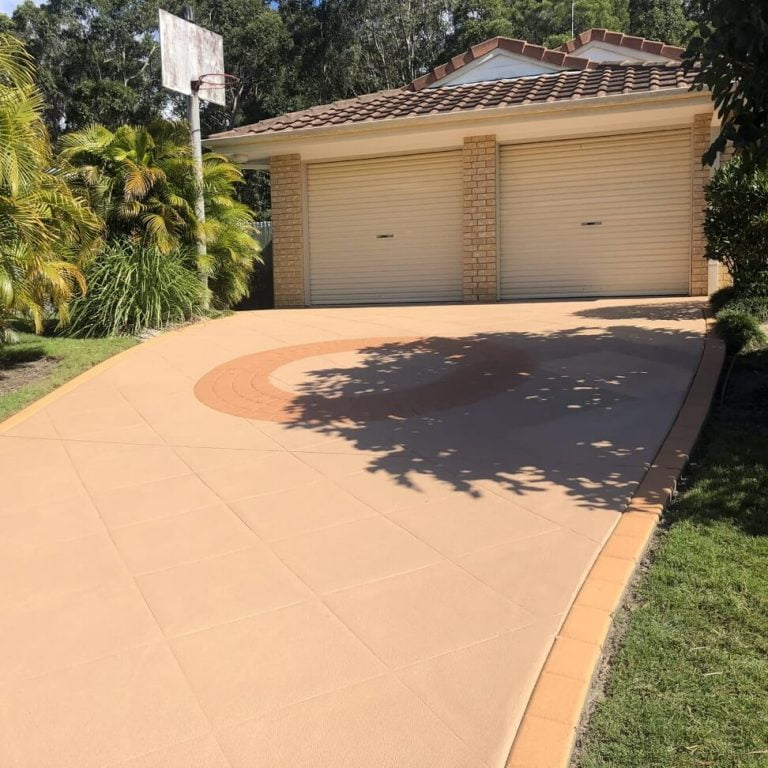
(511, 172)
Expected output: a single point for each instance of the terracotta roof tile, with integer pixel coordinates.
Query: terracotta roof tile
(626, 41)
(601, 81)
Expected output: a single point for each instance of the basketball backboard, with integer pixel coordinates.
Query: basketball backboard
(187, 52)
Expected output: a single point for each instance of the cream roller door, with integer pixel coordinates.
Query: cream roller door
(386, 230)
(606, 216)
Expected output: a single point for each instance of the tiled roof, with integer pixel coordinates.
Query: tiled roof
(519, 47)
(625, 41)
(600, 81)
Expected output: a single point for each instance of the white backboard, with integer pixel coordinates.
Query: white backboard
(187, 52)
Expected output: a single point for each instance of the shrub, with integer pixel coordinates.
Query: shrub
(45, 228)
(141, 180)
(740, 329)
(757, 306)
(736, 225)
(132, 288)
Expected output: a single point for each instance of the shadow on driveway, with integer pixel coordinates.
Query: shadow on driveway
(585, 409)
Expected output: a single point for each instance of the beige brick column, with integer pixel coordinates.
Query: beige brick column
(479, 158)
(287, 230)
(701, 136)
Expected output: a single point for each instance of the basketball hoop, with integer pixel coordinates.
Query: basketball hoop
(215, 81)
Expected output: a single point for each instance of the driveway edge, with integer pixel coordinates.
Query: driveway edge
(548, 728)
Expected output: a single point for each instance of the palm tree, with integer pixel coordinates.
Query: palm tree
(141, 180)
(46, 230)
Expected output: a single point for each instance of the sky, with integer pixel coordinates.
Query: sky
(7, 6)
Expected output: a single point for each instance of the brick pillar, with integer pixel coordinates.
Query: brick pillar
(701, 138)
(479, 160)
(287, 230)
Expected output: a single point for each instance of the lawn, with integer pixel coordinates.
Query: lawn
(689, 684)
(39, 364)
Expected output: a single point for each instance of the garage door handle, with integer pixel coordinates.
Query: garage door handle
(591, 223)
(383, 237)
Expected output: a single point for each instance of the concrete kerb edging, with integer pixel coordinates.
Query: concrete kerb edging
(92, 373)
(548, 728)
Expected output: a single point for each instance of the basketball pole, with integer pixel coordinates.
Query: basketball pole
(193, 116)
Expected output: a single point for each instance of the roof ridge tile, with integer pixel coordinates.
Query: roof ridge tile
(602, 35)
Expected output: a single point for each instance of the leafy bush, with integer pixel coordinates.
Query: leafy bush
(740, 329)
(45, 228)
(736, 225)
(141, 180)
(757, 306)
(134, 287)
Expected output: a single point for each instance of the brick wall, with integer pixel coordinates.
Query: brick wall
(479, 161)
(701, 136)
(287, 230)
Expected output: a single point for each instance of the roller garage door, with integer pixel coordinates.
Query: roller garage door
(386, 230)
(606, 216)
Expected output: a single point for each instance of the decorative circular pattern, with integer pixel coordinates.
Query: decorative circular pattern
(388, 378)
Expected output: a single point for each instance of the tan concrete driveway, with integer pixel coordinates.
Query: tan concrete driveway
(328, 537)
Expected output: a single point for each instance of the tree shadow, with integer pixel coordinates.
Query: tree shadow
(682, 310)
(580, 411)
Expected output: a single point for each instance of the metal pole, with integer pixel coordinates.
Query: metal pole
(193, 116)
(573, 19)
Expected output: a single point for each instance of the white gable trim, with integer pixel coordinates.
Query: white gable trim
(497, 65)
(600, 51)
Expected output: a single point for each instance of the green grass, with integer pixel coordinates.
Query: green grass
(73, 356)
(689, 684)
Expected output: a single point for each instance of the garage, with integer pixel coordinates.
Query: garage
(603, 216)
(385, 230)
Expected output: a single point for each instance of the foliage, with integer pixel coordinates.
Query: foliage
(134, 287)
(232, 249)
(133, 177)
(736, 224)
(72, 356)
(141, 181)
(687, 686)
(45, 229)
(663, 20)
(731, 52)
(740, 329)
(548, 22)
(97, 60)
(740, 318)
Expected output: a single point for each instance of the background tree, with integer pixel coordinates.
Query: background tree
(663, 20)
(97, 60)
(731, 52)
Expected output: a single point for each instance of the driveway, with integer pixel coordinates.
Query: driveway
(326, 537)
